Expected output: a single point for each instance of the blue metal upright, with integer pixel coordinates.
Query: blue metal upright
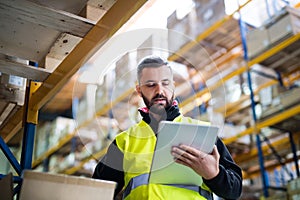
(264, 174)
(294, 150)
(27, 145)
(28, 136)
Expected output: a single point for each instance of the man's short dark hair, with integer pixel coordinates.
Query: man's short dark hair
(150, 61)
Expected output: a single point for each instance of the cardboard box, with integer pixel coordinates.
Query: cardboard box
(288, 24)
(39, 185)
(6, 187)
(257, 41)
(280, 29)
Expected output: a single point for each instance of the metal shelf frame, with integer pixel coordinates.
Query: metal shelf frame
(105, 109)
(106, 27)
(239, 71)
(36, 104)
(256, 130)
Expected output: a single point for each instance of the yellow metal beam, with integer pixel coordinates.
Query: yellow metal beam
(242, 69)
(32, 115)
(270, 121)
(274, 50)
(293, 77)
(246, 157)
(213, 87)
(230, 58)
(238, 105)
(230, 108)
(269, 166)
(117, 15)
(109, 105)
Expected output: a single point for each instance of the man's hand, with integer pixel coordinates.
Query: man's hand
(206, 165)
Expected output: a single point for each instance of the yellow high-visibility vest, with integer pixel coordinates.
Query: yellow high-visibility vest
(137, 145)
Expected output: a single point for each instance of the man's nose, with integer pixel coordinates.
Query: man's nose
(159, 88)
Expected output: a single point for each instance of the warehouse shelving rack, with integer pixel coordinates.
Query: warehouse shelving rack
(286, 43)
(40, 93)
(108, 106)
(272, 120)
(275, 119)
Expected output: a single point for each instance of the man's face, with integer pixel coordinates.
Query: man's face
(157, 88)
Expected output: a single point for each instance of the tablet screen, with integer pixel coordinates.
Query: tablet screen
(164, 170)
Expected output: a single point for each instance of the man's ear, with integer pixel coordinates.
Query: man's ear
(138, 90)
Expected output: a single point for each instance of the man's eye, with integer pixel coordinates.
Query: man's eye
(150, 84)
(165, 83)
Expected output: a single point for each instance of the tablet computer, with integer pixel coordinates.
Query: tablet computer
(164, 169)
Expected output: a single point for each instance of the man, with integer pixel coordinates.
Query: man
(129, 157)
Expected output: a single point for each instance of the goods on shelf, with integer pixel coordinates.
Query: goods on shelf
(90, 148)
(203, 15)
(50, 133)
(86, 106)
(293, 185)
(58, 162)
(41, 144)
(101, 96)
(5, 166)
(286, 25)
(90, 165)
(125, 76)
(281, 26)
(279, 195)
(295, 196)
(54, 162)
(276, 99)
(257, 41)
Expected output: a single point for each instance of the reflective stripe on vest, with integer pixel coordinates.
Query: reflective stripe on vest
(143, 180)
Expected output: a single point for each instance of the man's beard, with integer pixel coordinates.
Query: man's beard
(159, 109)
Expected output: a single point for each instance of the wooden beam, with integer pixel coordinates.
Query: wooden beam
(7, 110)
(119, 13)
(61, 21)
(22, 70)
(95, 9)
(63, 45)
(15, 124)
